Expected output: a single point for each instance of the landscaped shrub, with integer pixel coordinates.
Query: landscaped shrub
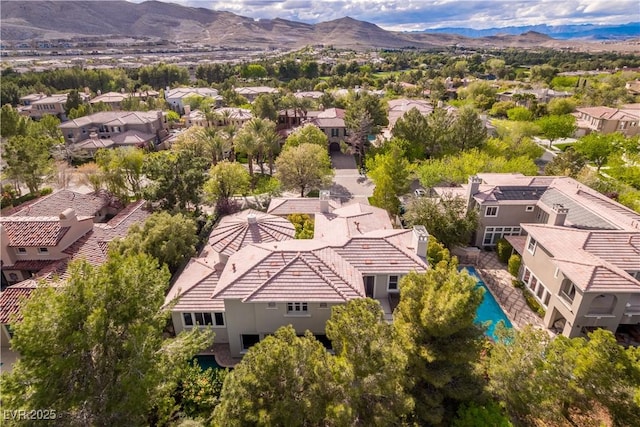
(514, 264)
(303, 224)
(533, 303)
(519, 284)
(503, 249)
(45, 191)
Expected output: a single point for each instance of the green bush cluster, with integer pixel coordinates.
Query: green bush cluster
(514, 264)
(503, 249)
(533, 303)
(303, 224)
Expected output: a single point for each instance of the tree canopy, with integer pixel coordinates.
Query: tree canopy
(226, 179)
(304, 167)
(307, 134)
(389, 171)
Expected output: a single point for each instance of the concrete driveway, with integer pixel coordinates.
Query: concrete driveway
(348, 185)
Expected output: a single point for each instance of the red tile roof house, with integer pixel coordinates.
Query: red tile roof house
(35, 248)
(580, 249)
(608, 120)
(253, 277)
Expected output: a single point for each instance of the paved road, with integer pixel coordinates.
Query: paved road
(348, 184)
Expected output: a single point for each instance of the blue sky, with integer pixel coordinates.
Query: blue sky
(409, 15)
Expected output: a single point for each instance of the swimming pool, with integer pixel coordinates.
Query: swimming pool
(489, 309)
(207, 361)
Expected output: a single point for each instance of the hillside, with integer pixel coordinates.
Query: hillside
(172, 23)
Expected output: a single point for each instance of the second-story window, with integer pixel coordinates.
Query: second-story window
(43, 250)
(491, 211)
(21, 250)
(297, 308)
(531, 247)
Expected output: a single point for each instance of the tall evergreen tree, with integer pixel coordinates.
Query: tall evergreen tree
(468, 130)
(435, 323)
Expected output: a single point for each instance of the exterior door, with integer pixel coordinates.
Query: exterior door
(368, 285)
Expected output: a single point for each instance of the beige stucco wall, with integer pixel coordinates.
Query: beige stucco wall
(258, 318)
(508, 216)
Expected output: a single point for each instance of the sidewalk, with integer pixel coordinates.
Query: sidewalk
(499, 281)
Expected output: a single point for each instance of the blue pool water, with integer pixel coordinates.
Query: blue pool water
(489, 309)
(207, 361)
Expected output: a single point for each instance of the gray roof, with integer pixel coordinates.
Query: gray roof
(578, 216)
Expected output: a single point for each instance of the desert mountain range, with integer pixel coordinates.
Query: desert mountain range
(173, 23)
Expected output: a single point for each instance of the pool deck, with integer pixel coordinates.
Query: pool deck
(495, 275)
(222, 355)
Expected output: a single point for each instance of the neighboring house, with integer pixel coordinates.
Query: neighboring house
(109, 129)
(292, 118)
(633, 87)
(608, 120)
(524, 97)
(38, 105)
(232, 116)
(175, 97)
(194, 118)
(250, 280)
(580, 249)
(252, 92)
(313, 95)
(399, 107)
(331, 122)
(112, 99)
(40, 248)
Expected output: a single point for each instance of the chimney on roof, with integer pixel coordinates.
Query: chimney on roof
(252, 219)
(324, 201)
(68, 217)
(420, 240)
(473, 188)
(558, 215)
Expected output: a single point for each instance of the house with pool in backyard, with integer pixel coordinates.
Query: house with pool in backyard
(254, 277)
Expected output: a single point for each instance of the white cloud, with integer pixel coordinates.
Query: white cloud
(420, 14)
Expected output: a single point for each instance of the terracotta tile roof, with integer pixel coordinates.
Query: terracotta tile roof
(608, 113)
(193, 289)
(112, 118)
(54, 203)
(11, 299)
(351, 220)
(289, 271)
(29, 265)
(619, 248)
(237, 231)
(33, 231)
(310, 206)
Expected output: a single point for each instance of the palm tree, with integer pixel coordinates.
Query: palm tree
(271, 141)
(247, 143)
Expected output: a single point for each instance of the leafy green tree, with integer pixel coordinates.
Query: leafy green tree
(28, 160)
(555, 127)
(47, 127)
(304, 225)
(248, 142)
(199, 391)
(225, 181)
(440, 133)
(447, 218)
(303, 167)
(500, 109)
(544, 72)
(412, 127)
(561, 106)
(390, 173)
(265, 107)
(435, 323)
(544, 379)
(73, 101)
(171, 239)
(520, 114)
(468, 130)
(597, 147)
(122, 171)
(93, 349)
(283, 380)
(11, 122)
(175, 179)
(307, 134)
(361, 102)
(253, 71)
(474, 415)
(360, 127)
(372, 364)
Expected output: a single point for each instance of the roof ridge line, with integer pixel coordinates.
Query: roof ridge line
(334, 270)
(324, 276)
(270, 278)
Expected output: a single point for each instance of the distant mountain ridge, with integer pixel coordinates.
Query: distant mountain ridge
(563, 32)
(167, 23)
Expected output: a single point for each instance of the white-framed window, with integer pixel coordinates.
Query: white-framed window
(528, 209)
(531, 246)
(491, 211)
(203, 319)
(392, 284)
(21, 250)
(297, 308)
(43, 250)
(536, 287)
(568, 291)
(556, 273)
(493, 234)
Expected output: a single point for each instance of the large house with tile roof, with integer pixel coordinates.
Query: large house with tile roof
(40, 248)
(608, 120)
(580, 250)
(253, 277)
(110, 129)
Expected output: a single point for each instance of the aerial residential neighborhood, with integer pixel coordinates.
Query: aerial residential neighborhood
(296, 217)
